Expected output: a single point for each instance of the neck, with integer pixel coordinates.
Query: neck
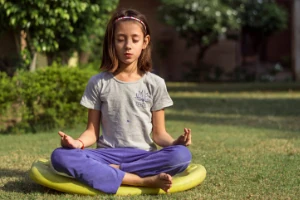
(128, 73)
(128, 69)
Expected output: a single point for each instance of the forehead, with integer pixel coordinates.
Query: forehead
(129, 27)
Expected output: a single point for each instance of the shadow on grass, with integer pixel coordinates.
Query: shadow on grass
(232, 87)
(278, 114)
(24, 184)
(284, 107)
(11, 173)
(293, 130)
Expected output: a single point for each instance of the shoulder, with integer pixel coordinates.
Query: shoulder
(99, 81)
(154, 79)
(100, 77)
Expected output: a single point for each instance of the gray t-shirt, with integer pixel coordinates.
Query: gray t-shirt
(126, 108)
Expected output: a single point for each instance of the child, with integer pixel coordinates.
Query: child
(127, 101)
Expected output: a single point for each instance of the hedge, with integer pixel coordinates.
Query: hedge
(42, 100)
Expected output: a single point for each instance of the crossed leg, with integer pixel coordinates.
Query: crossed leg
(162, 180)
(130, 166)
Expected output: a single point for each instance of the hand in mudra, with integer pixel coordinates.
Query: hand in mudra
(184, 139)
(68, 142)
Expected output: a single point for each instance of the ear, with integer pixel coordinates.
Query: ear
(146, 41)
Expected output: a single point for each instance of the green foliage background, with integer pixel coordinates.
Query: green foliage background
(45, 99)
(56, 27)
(264, 16)
(200, 22)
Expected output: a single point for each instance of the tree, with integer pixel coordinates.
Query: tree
(199, 22)
(259, 20)
(57, 28)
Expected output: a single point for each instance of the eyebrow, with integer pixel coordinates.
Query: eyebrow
(133, 35)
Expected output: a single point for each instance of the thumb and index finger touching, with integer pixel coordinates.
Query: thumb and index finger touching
(188, 136)
(66, 140)
(62, 134)
(187, 132)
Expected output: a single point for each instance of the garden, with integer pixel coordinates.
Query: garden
(246, 136)
(245, 131)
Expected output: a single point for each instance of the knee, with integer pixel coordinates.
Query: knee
(59, 158)
(180, 155)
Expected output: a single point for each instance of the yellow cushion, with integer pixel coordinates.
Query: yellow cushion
(42, 173)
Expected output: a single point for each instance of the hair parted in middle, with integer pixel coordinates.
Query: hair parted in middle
(109, 56)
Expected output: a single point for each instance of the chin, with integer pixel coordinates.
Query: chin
(128, 62)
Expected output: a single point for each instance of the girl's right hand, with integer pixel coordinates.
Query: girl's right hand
(184, 139)
(68, 142)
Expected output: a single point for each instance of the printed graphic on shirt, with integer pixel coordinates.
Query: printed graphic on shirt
(142, 98)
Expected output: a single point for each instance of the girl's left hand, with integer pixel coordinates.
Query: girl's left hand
(184, 139)
(68, 142)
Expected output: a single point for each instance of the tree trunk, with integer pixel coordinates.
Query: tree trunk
(84, 57)
(17, 37)
(203, 68)
(50, 58)
(33, 53)
(64, 58)
(32, 67)
(252, 48)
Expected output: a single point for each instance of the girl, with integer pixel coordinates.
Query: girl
(127, 101)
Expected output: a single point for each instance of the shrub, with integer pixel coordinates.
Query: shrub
(8, 98)
(49, 98)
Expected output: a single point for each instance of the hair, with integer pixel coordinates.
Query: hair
(109, 56)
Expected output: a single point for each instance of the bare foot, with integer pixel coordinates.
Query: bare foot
(115, 166)
(162, 180)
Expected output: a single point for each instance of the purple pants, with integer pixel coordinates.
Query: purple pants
(91, 166)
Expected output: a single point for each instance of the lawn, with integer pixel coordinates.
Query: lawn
(246, 135)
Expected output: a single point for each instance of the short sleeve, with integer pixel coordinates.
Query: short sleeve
(161, 97)
(91, 97)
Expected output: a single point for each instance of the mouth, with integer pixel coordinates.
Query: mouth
(128, 55)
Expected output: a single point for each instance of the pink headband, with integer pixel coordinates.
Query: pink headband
(134, 18)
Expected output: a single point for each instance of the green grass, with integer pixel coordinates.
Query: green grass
(246, 135)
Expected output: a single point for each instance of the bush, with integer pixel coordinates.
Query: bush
(8, 98)
(49, 98)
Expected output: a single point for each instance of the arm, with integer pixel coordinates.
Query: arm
(162, 137)
(159, 134)
(88, 137)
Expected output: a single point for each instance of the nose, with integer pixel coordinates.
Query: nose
(128, 45)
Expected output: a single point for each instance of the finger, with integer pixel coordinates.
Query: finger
(188, 133)
(62, 139)
(189, 140)
(65, 139)
(69, 139)
(185, 134)
(62, 134)
(185, 131)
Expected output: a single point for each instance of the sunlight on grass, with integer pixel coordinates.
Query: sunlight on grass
(247, 137)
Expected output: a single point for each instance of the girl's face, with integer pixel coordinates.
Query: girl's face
(129, 41)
